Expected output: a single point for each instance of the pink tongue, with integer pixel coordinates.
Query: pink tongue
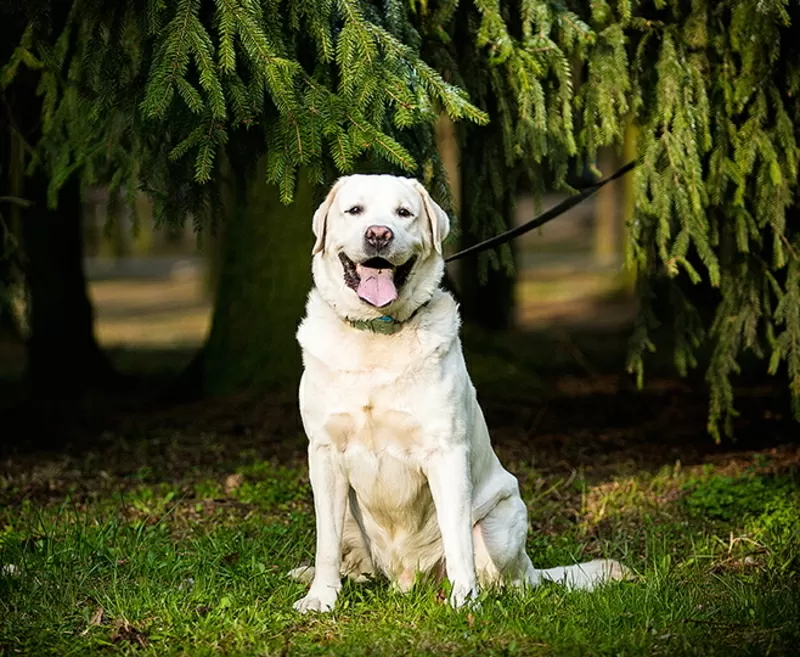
(376, 286)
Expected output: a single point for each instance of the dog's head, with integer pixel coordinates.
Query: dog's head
(378, 247)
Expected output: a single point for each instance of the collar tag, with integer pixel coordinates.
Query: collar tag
(385, 325)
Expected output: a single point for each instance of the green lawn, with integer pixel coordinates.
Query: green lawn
(178, 545)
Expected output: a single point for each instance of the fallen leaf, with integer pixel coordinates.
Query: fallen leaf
(96, 619)
(232, 482)
(470, 620)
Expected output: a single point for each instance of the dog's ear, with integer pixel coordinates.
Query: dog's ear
(438, 220)
(319, 224)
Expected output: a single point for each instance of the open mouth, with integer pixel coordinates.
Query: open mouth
(376, 281)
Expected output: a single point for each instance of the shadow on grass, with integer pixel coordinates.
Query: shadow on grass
(550, 398)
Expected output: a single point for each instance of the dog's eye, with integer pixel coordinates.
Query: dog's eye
(403, 212)
(356, 209)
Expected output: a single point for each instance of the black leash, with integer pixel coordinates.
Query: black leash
(543, 218)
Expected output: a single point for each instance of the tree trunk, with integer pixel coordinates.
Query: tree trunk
(606, 239)
(64, 358)
(9, 326)
(12, 165)
(9, 280)
(488, 303)
(264, 277)
(629, 153)
(448, 146)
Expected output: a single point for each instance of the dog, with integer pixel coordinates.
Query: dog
(404, 478)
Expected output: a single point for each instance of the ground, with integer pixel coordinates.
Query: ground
(167, 529)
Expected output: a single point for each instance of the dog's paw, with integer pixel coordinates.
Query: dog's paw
(303, 574)
(463, 595)
(320, 600)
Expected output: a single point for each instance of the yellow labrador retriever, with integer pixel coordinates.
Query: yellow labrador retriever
(404, 476)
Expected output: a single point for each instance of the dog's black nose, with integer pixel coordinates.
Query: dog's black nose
(378, 237)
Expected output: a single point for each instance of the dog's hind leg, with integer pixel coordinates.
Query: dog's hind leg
(499, 539)
(501, 554)
(356, 560)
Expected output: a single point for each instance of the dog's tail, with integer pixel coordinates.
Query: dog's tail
(585, 576)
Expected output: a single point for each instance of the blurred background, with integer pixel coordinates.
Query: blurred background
(152, 288)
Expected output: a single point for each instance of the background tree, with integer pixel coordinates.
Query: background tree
(710, 89)
(9, 320)
(193, 100)
(714, 89)
(517, 61)
(216, 109)
(42, 239)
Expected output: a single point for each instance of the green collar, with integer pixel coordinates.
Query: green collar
(385, 325)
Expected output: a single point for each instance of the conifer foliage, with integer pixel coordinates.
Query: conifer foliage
(153, 94)
(149, 92)
(714, 87)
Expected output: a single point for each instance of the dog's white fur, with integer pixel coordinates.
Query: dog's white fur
(404, 477)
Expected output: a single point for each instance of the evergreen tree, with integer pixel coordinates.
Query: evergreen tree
(182, 98)
(43, 245)
(200, 103)
(714, 88)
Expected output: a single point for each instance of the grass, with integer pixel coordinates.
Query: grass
(175, 542)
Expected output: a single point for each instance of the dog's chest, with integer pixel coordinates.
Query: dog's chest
(373, 428)
(380, 445)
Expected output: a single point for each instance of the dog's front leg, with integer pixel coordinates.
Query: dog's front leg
(329, 486)
(448, 474)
